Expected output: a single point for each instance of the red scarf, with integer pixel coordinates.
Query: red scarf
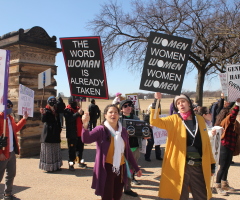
(78, 120)
(53, 109)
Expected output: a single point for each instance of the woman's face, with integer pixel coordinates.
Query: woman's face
(112, 115)
(207, 116)
(183, 105)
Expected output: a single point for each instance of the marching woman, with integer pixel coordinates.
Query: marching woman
(188, 160)
(50, 155)
(112, 154)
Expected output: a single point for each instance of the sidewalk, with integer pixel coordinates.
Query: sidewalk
(32, 183)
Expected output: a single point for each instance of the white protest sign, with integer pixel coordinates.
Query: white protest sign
(233, 75)
(159, 135)
(3, 54)
(26, 100)
(224, 83)
(144, 146)
(44, 77)
(135, 100)
(216, 143)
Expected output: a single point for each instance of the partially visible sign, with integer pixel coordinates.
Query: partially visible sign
(135, 100)
(233, 76)
(4, 70)
(144, 146)
(159, 135)
(85, 66)
(165, 63)
(44, 78)
(25, 100)
(224, 83)
(216, 143)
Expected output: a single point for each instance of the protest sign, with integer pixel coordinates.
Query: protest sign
(159, 135)
(85, 66)
(165, 63)
(233, 77)
(4, 70)
(224, 83)
(216, 143)
(44, 78)
(25, 100)
(135, 100)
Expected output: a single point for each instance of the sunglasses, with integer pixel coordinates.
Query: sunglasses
(9, 106)
(127, 105)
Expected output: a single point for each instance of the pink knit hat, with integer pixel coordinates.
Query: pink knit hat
(118, 93)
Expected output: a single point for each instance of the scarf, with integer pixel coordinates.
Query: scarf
(185, 115)
(78, 120)
(118, 146)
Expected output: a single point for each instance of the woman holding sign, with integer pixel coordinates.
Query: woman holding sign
(112, 155)
(188, 160)
(50, 155)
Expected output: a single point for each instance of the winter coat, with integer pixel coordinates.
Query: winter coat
(225, 123)
(60, 105)
(175, 155)
(71, 123)
(101, 136)
(16, 127)
(51, 128)
(94, 112)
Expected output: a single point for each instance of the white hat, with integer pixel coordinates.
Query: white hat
(181, 96)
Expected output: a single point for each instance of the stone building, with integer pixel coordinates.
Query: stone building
(32, 51)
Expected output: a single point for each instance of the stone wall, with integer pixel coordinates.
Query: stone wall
(32, 51)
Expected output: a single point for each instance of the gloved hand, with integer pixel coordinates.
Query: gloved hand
(3, 141)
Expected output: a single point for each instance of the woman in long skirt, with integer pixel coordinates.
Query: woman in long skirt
(50, 155)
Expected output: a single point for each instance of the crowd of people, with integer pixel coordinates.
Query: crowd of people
(188, 163)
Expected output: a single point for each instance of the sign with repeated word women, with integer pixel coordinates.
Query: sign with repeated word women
(85, 66)
(25, 100)
(165, 63)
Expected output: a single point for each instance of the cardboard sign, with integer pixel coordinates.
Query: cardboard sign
(165, 63)
(135, 100)
(224, 83)
(159, 135)
(85, 66)
(44, 78)
(233, 76)
(4, 71)
(25, 100)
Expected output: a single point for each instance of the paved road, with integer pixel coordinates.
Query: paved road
(32, 183)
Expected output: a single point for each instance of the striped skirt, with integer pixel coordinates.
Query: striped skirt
(50, 157)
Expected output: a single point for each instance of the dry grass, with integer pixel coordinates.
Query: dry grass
(165, 103)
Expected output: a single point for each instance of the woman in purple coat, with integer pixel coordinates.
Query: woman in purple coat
(112, 155)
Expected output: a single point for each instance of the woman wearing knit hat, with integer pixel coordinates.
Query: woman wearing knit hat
(188, 160)
(117, 99)
(50, 155)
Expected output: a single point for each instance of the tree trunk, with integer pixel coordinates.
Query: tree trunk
(199, 89)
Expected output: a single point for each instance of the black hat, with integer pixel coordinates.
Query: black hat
(71, 99)
(125, 101)
(9, 102)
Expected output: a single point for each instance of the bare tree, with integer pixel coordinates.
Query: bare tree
(212, 25)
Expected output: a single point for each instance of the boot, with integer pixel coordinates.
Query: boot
(220, 190)
(225, 186)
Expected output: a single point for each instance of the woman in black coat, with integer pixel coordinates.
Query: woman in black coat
(50, 155)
